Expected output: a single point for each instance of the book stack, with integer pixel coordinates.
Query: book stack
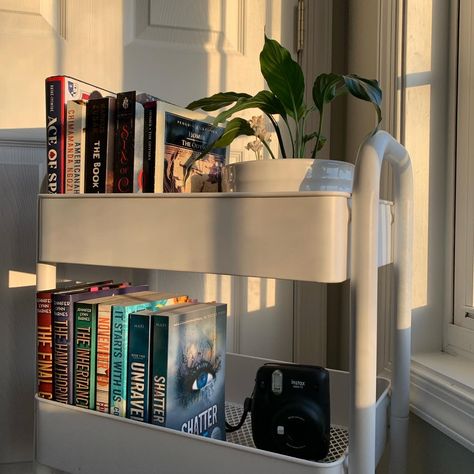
(123, 350)
(102, 142)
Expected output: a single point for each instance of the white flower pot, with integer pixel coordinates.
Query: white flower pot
(288, 175)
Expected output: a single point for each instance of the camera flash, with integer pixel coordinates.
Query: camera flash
(277, 382)
(280, 430)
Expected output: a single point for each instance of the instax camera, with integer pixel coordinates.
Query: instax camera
(290, 410)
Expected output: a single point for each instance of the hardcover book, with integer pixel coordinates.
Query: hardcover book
(128, 160)
(179, 134)
(75, 146)
(63, 338)
(85, 346)
(58, 90)
(100, 137)
(120, 338)
(188, 368)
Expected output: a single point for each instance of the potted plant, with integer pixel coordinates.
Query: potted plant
(284, 99)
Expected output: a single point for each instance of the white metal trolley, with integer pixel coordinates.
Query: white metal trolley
(243, 234)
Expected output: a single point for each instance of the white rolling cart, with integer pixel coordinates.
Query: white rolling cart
(327, 237)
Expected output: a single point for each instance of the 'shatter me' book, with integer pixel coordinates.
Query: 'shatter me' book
(58, 90)
(173, 135)
(188, 369)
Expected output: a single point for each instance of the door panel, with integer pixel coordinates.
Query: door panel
(177, 50)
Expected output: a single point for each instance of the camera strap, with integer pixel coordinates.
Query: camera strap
(247, 407)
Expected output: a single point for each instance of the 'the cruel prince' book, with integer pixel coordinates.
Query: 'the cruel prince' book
(188, 367)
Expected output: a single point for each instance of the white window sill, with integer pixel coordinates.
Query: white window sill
(442, 393)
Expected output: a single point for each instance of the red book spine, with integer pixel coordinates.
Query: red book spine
(44, 337)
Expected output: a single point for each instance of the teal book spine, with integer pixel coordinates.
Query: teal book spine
(118, 371)
(85, 346)
(119, 350)
(138, 368)
(159, 369)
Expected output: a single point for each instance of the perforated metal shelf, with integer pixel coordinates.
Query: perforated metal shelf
(233, 412)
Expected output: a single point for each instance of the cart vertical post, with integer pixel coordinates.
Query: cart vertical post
(364, 247)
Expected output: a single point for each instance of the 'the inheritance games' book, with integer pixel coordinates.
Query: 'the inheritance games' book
(188, 367)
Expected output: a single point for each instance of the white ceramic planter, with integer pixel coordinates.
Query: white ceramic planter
(288, 175)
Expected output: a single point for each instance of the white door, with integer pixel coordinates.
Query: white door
(179, 50)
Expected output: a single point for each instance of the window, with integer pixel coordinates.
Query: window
(460, 330)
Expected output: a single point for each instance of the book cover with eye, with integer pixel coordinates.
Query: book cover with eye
(188, 369)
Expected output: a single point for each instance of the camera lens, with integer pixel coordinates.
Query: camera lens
(296, 430)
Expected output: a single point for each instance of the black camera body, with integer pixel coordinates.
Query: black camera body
(291, 410)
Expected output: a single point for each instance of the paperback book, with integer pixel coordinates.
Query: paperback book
(58, 91)
(140, 351)
(44, 336)
(85, 346)
(99, 149)
(63, 337)
(174, 134)
(188, 369)
(120, 340)
(75, 146)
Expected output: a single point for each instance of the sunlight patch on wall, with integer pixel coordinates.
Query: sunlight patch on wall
(20, 279)
(418, 143)
(261, 293)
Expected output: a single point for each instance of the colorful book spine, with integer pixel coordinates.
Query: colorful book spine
(120, 338)
(58, 90)
(138, 365)
(104, 325)
(85, 354)
(188, 369)
(138, 149)
(63, 339)
(99, 150)
(75, 146)
(44, 337)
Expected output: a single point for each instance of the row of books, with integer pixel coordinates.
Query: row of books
(102, 142)
(124, 350)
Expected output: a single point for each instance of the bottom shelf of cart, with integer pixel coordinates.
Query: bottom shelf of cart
(76, 440)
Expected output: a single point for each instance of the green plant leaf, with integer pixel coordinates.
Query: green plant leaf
(234, 128)
(312, 136)
(217, 101)
(365, 89)
(266, 101)
(325, 89)
(284, 76)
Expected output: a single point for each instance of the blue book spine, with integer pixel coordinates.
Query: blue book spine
(138, 368)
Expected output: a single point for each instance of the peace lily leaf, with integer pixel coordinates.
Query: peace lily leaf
(325, 89)
(234, 128)
(284, 76)
(266, 101)
(311, 136)
(365, 89)
(217, 101)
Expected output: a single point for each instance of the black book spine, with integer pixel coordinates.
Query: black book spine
(54, 135)
(124, 143)
(149, 143)
(100, 124)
